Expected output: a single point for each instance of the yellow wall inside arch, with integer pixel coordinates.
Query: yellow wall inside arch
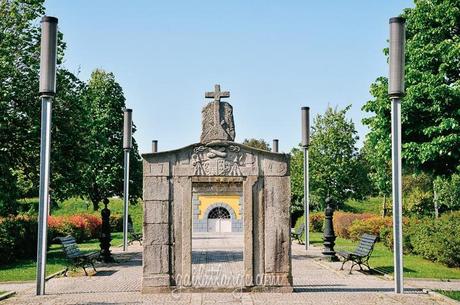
(207, 200)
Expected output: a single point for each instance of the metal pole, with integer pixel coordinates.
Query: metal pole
(306, 191)
(47, 90)
(127, 145)
(396, 91)
(275, 145)
(305, 121)
(125, 200)
(397, 193)
(45, 147)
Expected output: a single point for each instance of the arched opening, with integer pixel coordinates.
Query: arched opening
(219, 220)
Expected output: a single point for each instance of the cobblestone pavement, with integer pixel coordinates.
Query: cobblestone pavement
(315, 282)
(217, 263)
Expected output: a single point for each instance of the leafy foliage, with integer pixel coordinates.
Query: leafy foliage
(447, 192)
(104, 173)
(257, 143)
(336, 168)
(332, 157)
(431, 107)
(20, 121)
(438, 239)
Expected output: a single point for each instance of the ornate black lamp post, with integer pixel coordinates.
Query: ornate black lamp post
(106, 255)
(329, 235)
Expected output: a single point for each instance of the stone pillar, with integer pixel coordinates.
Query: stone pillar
(156, 244)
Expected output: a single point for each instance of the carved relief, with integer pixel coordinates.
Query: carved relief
(217, 122)
(220, 161)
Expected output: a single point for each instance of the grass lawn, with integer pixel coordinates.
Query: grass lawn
(77, 205)
(382, 260)
(371, 205)
(25, 270)
(451, 294)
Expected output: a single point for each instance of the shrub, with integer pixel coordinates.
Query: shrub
(18, 238)
(386, 234)
(316, 222)
(116, 222)
(80, 226)
(438, 239)
(343, 221)
(372, 225)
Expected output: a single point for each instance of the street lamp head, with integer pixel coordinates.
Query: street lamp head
(127, 129)
(48, 57)
(305, 126)
(397, 41)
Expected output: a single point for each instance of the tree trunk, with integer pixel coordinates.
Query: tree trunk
(435, 201)
(384, 211)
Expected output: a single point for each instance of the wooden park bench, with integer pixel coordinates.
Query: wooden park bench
(297, 233)
(362, 253)
(75, 256)
(132, 235)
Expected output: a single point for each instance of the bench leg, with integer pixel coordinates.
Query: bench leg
(352, 265)
(343, 263)
(84, 269)
(65, 271)
(92, 264)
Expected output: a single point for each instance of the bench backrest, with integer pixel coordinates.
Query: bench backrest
(70, 247)
(300, 229)
(130, 227)
(366, 245)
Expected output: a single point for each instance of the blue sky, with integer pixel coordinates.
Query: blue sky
(273, 56)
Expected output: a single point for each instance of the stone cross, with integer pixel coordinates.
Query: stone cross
(217, 94)
(217, 118)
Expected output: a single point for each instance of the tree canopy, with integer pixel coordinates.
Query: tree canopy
(335, 164)
(73, 135)
(431, 107)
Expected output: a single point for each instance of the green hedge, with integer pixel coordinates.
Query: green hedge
(18, 234)
(437, 240)
(18, 238)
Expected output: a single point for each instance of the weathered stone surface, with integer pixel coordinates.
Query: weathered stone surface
(158, 169)
(156, 188)
(155, 280)
(217, 119)
(217, 122)
(275, 167)
(217, 166)
(156, 212)
(155, 259)
(156, 234)
(277, 220)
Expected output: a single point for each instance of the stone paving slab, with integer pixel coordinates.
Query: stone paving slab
(315, 282)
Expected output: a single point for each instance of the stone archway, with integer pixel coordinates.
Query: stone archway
(262, 179)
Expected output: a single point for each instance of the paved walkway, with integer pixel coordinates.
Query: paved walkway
(315, 282)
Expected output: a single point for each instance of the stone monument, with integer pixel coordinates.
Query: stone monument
(215, 164)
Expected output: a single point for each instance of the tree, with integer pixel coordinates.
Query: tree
(296, 169)
(332, 157)
(336, 169)
(104, 171)
(430, 109)
(20, 106)
(259, 144)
